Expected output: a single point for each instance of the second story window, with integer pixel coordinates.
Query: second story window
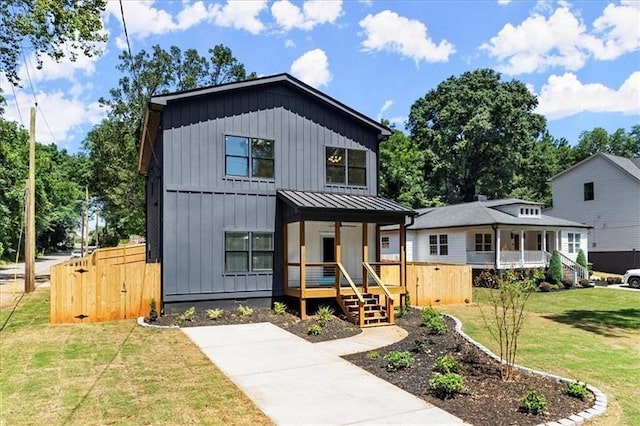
(346, 166)
(249, 157)
(588, 191)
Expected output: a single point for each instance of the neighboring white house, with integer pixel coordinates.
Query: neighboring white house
(603, 191)
(496, 234)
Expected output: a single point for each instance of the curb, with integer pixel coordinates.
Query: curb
(141, 323)
(599, 405)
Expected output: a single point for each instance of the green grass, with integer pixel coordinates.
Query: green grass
(591, 335)
(108, 373)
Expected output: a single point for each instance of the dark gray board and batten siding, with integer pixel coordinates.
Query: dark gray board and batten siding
(200, 203)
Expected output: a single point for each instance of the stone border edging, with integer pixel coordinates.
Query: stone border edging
(141, 323)
(599, 405)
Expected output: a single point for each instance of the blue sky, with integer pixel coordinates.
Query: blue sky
(580, 58)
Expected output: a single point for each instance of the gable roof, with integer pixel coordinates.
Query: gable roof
(630, 166)
(483, 213)
(157, 103)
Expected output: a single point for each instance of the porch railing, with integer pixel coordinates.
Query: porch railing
(480, 257)
(388, 272)
(510, 258)
(571, 265)
(317, 274)
(387, 294)
(343, 273)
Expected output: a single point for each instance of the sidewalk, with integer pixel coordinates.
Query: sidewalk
(296, 382)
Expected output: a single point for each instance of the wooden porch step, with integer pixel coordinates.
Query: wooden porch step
(374, 313)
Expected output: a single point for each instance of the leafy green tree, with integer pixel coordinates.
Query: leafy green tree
(475, 131)
(624, 144)
(48, 28)
(402, 171)
(555, 268)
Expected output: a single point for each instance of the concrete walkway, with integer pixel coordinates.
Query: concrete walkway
(294, 381)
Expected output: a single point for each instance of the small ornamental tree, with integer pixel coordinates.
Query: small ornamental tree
(581, 259)
(555, 268)
(506, 319)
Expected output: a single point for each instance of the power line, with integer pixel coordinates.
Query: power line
(15, 99)
(47, 124)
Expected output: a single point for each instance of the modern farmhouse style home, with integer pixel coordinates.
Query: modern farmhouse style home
(264, 188)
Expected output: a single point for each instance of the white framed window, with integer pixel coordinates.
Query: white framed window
(573, 241)
(483, 242)
(439, 245)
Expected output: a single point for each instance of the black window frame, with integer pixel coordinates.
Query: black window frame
(589, 191)
(344, 162)
(250, 252)
(438, 244)
(250, 158)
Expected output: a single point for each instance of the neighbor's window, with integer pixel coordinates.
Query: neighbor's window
(249, 157)
(483, 242)
(438, 244)
(588, 191)
(248, 251)
(346, 166)
(574, 242)
(385, 242)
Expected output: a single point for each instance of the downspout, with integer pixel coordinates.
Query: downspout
(495, 246)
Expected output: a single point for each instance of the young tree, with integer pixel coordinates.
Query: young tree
(581, 259)
(475, 131)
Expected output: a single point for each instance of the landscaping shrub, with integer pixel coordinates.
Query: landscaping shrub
(555, 274)
(446, 364)
(487, 279)
(279, 308)
(471, 356)
(398, 360)
(324, 315)
(422, 345)
(188, 315)
(581, 259)
(153, 312)
(584, 283)
(567, 284)
(545, 287)
(447, 385)
(215, 313)
(314, 329)
(533, 402)
(577, 390)
(244, 311)
(373, 355)
(429, 313)
(437, 325)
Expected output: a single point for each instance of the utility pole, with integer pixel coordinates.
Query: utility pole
(30, 230)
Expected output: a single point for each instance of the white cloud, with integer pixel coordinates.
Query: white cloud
(289, 43)
(241, 15)
(367, 3)
(565, 95)
(388, 31)
(64, 115)
(387, 104)
(312, 68)
(144, 19)
(66, 69)
(314, 12)
(504, 2)
(563, 40)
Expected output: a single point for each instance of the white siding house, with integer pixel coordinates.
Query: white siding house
(603, 191)
(497, 234)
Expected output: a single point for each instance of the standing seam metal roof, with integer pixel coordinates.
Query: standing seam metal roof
(324, 200)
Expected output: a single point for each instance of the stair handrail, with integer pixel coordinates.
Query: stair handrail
(353, 286)
(385, 290)
(573, 265)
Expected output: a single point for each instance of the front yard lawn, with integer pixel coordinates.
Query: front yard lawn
(592, 335)
(109, 373)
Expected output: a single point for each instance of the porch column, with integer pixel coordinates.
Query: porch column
(403, 254)
(338, 250)
(497, 247)
(285, 256)
(365, 256)
(303, 278)
(543, 239)
(522, 247)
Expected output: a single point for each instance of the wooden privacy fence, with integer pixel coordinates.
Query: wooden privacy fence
(434, 284)
(111, 284)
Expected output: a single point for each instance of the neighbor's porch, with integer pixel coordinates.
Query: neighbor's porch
(507, 248)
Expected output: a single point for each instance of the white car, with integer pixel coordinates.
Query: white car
(632, 278)
(75, 254)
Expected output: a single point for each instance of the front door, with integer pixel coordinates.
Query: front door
(328, 255)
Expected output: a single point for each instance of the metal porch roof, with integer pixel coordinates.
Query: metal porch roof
(304, 200)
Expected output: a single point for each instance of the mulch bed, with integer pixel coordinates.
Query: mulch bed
(490, 401)
(337, 328)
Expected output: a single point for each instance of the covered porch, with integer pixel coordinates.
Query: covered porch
(331, 251)
(510, 247)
